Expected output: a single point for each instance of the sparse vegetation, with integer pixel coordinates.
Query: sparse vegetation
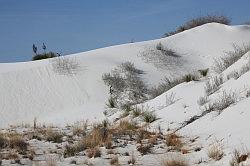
(174, 161)
(215, 151)
(224, 101)
(204, 72)
(65, 65)
(236, 74)
(114, 161)
(237, 158)
(174, 141)
(144, 149)
(202, 100)
(165, 86)
(126, 84)
(213, 85)
(231, 57)
(149, 116)
(200, 21)
(93, 152)
(170, 99)
(53, 136)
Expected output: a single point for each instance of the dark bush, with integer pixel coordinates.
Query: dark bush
(200, 21)
(44, 56)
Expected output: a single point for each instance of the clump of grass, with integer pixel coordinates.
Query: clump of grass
(203, 72)
(237, 158)
(93, 152)
(3, 141)
(145, 149)
(71, 150)
(213, 85)
(114, 161)
(111, 103)
(17, 142)
(173, 140)
(136, 112)
(80, 129)
(190, 77)
(174, 161)
(215, 151)
(53, 136)
(149, 116)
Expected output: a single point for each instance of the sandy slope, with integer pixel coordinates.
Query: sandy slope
(34, 89)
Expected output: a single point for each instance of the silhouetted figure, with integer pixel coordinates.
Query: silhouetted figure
(58, 54)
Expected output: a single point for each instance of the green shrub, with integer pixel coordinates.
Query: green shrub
(44, 56)
(203, 72)
(149, 116)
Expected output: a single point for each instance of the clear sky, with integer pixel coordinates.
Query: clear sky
(71, 26)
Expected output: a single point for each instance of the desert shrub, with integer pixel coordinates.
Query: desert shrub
(99, 136)
(166, 51)
(111, 103)
(213, 85)
(236, 74)
(44, 56)
(17, 142)
(200, 21)
(65, 65)
(202, 100)
(53, 136)
(165, 86)
(126, 125)
(127, 85)
(71, 150)
(231, 57)
(80, 128)
(190, 77)
(145, 149)
(136, 112)
(203, 72)
(3, 141)
(114, 161)
(215, 151)
(93, 152)
(237, 158)
(174, 161)
(170, 99)
(225, 100)
(149, 116)
(173, 140)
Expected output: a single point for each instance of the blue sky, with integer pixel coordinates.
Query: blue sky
(71, 26)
